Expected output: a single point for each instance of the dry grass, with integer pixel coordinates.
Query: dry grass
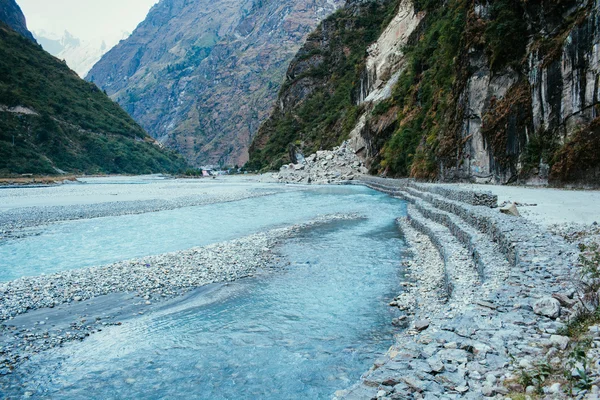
(36, 180)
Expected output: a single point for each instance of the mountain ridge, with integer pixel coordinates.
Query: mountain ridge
(200, 77)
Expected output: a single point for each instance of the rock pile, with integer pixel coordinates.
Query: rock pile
(339, 164)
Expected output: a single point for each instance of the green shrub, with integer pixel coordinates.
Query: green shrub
(77, 127)
(424, 90)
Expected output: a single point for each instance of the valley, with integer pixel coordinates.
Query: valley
(360, 199)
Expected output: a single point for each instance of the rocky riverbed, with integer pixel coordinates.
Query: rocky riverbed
(490, 307)
(19, 216)
(140, 282)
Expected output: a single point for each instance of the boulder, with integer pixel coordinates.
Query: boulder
(548, 307)
(560, 342)
(421, 325)
(564, 300)
(510, 209)
(435, 364)
(554, 388)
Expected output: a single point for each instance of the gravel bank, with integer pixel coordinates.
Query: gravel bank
(16, 222)
(150, 279)
(547, 206)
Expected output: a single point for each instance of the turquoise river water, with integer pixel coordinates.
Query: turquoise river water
(298, 333)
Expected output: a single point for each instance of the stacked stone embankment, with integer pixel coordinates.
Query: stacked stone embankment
(326, 166)
(497, 314)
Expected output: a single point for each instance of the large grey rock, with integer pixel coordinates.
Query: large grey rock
(560, 342)
(564, 300)
(421, 325)
(547, 307)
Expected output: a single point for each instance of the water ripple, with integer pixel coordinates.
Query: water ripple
(300, 333)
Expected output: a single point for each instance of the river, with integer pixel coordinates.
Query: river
(301, 332)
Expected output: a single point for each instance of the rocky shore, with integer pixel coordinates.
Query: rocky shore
(146, 280)
(488, 309)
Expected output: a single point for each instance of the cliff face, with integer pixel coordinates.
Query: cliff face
(201, 76)
(533, 120)
(317, 106)
(11, 15)
(52, 121)
(483, 91)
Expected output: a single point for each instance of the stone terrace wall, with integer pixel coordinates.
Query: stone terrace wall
(477, 352)
(475, 198)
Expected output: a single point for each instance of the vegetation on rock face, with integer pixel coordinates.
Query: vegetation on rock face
(321, 81)
(505, 33)
(578, 160)
(422, 95)
(429, 92)
(510, 47)
(505, 123)
(429, 89)
(66, 124)
(425, 91)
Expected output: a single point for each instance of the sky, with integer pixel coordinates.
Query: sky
(85, 19)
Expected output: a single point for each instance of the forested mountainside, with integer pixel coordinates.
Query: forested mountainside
(11, 15)
(201, 76)
(52, 121)
(488, 91)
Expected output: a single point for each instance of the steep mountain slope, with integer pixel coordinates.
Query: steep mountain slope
(51, 120)
(316, 108)
(497, 91)
(11, 15)
(201, 76)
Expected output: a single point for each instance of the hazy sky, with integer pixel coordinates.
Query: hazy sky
(85, 19)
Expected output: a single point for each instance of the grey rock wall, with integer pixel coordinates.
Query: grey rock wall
(563, 84)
